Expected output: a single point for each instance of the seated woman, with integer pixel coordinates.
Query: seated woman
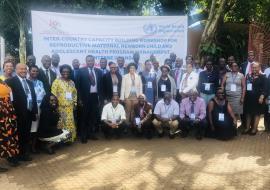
(222, 121)
(48, 130)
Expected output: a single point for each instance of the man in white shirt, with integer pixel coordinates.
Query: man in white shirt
(166, 115)
(113, 117)
(246, 66)
(55, 64)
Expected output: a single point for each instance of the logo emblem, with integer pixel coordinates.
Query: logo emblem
(150, 28)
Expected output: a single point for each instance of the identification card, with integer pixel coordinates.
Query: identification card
(233, 87)
(149, 85)
(249, 87)
(68, 95)
(115, 89)
(11, 96)
(192, 116)
(207, 86)
(137, 121)
(221, 116)
(163, 88)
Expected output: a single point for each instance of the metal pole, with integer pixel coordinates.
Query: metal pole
(2, 51)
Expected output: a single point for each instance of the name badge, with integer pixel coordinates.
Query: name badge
(149, 85)
(137, 121)
(163, 88)
(11, 96)
(233, 87)
(249, 86)
(115, 90)
(221, 116)
(192, 116)
(207, 86)
(68, 95)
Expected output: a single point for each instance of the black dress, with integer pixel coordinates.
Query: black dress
(251, 104)
(224, 128)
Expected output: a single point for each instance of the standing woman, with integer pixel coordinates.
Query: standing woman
(254, 99)
(234, 84)
(8, 69)
(64, 89)
(149, 82)
(40, 93)
(130, 90)
(9, 147)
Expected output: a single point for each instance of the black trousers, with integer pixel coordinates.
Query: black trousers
(89, 116)
(266, 119)
(147, 128)
(109, 132)
(189, 125)
(24, 127)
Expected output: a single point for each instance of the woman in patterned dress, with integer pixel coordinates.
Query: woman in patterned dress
(64, 89)
(9, 147)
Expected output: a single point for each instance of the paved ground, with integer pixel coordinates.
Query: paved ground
(130, 163)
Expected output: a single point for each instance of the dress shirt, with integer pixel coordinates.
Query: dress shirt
(248, 69)
(56, 70)
(167, 111)
(191, 84)
(21, 80)
(49, 74)
(110, 113)
(199, 108)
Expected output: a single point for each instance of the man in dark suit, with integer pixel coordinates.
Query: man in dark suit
(246, 66)
(25, 104)
(46, 75)
(122, 70)
(89, 81)
(103, 65)
(76, 67)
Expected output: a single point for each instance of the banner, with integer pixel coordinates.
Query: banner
(74, 36)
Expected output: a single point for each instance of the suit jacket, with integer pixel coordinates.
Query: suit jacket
(125, 71)
(74, 77)
(108, 86)
(42, 77)
(244, 67)
(127, 83)
(20, 98)
(192, 82)
(84, 85)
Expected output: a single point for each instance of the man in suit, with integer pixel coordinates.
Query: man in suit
(30, 60)
(103, 65)
(46, 75)
(177, 74)
(90, 94)
(246, 66)
(122, 70)
(25, 104)
(76, 67)
(55, 64)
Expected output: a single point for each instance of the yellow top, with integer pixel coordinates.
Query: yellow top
(4, 91)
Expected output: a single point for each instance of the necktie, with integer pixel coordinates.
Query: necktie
(92, 78)
(28, 94)
(192, 107)
(177, 74)
(47, 75)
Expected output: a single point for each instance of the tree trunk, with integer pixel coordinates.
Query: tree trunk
(22, 43)
(215, 15)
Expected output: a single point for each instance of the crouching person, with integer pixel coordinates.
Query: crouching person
(113, 118)
(193, 115)
(143, 118)
(166, 115)
(49, 132)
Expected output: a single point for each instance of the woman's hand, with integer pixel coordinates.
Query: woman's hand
(242, 101)
(261, 99)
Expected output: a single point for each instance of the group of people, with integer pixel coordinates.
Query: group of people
(55, 104)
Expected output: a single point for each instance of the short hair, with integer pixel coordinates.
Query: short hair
(90, 56)
(148, 60)
(130, 65)
(33, 66)
(5, 62)
(65, 66)
(189, 56)
(111, 62)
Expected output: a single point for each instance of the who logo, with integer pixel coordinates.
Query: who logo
(54, 24)
(150, 28)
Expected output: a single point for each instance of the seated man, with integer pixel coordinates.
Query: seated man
(192, 115)
(166, 115)
(143, 117)
(113, 117)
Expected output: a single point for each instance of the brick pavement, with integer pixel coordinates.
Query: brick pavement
(130, 163)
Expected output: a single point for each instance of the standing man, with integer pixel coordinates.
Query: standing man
(103, 65)
(136, 59)
(90, 95)
(55, 64)
(46, 75)
(30, 60)
(208, 82)
(166, 115)
(25, 104)
(121, 66)
(247, 65)
(177, 74)
(173, 59)
(76, 67)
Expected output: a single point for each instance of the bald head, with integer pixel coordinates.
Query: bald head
(46, 61)
(21, 70)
